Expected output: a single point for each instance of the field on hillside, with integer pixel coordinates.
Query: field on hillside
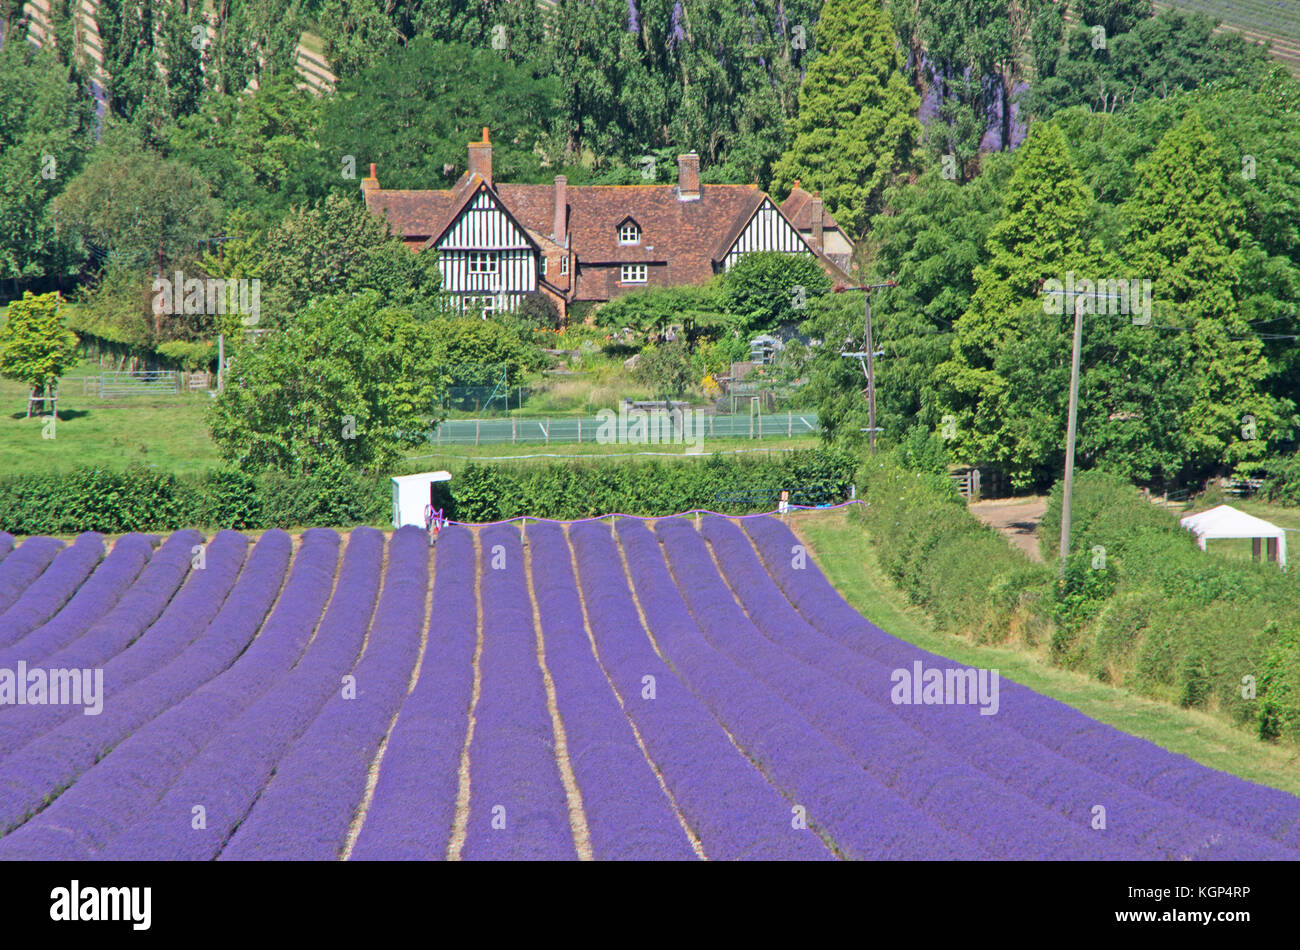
(1276, 22)
(664, 690)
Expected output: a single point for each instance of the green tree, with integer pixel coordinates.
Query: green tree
(339, 246)
(473, 352)
(35, 346)
(856, 128)
(414, 112)
(1176, 50)
(766, 289)
(44, 133)
(667, 368)
(1044, 233)
(930, 245)
(1183, 232)
(131, 202)
(349, 381)
(257, 151)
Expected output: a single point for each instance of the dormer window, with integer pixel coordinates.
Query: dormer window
(629, 233)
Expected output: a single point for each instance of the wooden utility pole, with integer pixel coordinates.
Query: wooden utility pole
(867, 358)
(1067, 489)
(871, 376)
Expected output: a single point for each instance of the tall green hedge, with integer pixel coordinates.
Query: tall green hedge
(142, 499)
(963, 572)
(1140, 605)
(1179, 623)
(731, 484)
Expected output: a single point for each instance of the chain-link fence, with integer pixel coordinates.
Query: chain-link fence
(580, 429)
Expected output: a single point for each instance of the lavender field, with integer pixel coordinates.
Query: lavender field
(666, 690)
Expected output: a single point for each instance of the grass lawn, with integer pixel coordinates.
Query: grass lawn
(168, 432)
(849, 562)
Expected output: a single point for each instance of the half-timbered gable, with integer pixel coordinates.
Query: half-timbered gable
(485, 256)
(766, 230)
(597, 241)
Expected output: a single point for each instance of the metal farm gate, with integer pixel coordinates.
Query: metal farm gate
(139, 383)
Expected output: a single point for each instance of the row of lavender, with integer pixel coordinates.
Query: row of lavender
(725, 702)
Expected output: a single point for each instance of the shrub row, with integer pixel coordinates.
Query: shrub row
(731, 484)
(1140, 605)
(1176, 622)
(142, 499)
(962, 572)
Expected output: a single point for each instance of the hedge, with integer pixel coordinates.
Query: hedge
(1141, 605)
(143, 499)
(731, 484)
(961, 571)
(1178, 623)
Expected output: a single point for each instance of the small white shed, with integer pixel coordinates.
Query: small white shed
(1228, 522)
(412, 494)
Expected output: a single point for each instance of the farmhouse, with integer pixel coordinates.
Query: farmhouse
(497, 242)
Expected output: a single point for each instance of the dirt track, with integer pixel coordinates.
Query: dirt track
(1017, 518)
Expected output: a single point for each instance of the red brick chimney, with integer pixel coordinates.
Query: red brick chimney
(817, 221)
(371, 183)
(560, 223)
(688, 177)
(480, 157)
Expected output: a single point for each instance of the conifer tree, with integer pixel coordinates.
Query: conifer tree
(856, 129)
(1183, 232)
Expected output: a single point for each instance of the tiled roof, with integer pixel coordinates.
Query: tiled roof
(410, 213)
(798, 208)
(687, 237)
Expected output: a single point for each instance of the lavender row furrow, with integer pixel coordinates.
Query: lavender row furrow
(726, 801)
(226, 777)
(125, 653)
(628, 815)
(108, 797)
(864, 818)
(6, 544)
(305, 811)
(1067, 782)
(411, 815)
(92, 601)
(517, 808)
(20, 569)
(999, 823)
(49, 592)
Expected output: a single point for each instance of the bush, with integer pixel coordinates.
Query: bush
(1170, 620)
(729, 484)
(966, 575)
(141, 499)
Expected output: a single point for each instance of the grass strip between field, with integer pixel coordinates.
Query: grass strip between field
(845, 555)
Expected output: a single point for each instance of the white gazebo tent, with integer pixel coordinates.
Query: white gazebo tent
(1228, 522)
(412, 494)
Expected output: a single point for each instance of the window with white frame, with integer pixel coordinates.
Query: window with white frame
(564, 265)
(480, 305)
(629, 233)
(632, 274)
(543, 265)
(482, 262)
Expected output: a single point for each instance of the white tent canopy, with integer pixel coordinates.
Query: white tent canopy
(1228, 522)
